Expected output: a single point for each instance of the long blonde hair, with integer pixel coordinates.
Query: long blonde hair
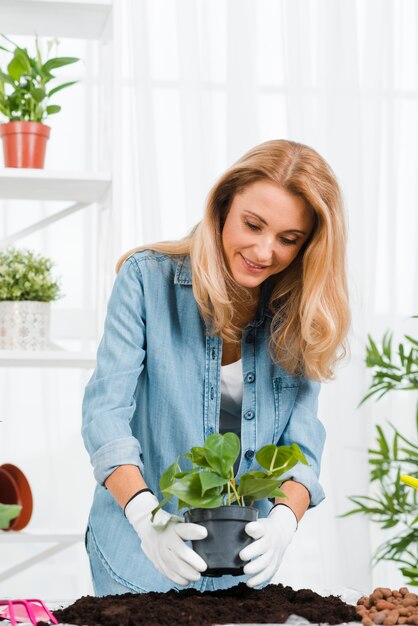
(309, 299)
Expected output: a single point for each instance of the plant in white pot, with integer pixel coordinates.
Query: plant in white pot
(25, 102)
(216, 500)
(27, 288)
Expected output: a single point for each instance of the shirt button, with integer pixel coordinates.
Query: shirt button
(249, 454)
(249, 415)
(250, 378)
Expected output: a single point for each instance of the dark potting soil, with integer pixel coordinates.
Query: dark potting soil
(239, 604)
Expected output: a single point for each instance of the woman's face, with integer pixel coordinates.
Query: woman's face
(264, 231)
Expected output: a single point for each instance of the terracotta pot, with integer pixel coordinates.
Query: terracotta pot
(15, 489)
(24, 144)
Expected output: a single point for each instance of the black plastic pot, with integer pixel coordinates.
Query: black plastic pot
(226, 537)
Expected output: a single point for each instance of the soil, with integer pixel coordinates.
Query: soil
(239, 605)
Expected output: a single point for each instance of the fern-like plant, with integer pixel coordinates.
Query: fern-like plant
(394, 503)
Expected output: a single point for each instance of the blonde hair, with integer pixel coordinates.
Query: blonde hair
(309, 299)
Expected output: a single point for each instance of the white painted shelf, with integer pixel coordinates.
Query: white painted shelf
(54, 18)
(34, 184)
(47, 358)
(12, 536)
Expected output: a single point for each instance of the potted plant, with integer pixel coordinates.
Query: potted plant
(394, 461)
(27, 288)
(24, 101)
(214, 498)
(8, 512)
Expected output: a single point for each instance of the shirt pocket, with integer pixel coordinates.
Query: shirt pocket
(285, 390)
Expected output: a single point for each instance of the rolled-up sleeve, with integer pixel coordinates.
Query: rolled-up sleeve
(109, 397)
(305, 429)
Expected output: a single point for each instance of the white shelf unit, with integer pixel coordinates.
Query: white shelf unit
(79, 19)
(50, 18)
(28, 184)
(60, 542)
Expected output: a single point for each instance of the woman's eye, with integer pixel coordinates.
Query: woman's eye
(251, 226)
(289, 242)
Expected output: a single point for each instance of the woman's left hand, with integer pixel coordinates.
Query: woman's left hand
(272, 535)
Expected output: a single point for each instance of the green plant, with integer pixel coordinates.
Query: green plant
(25, 275)
(211, 483)
(8, 512)
(394, 504)
(23, 86)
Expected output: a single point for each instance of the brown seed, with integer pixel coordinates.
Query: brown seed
(402, 620)
(376, 595)
(391, 618)
(379, 617)
(381, 605)
(404, 590)
(361, 600)
(403, 610)
(366, 621)
(386, 592)
(412, 619)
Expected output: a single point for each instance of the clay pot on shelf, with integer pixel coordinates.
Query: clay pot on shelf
(226, 537)
(24, 144)
(15, 489)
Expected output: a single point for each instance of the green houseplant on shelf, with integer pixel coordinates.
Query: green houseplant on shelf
(393, 504)
(27, 288)
(8, 512)
(25, 101)
(214, 498)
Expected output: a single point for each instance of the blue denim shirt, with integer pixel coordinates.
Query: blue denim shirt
(155, 392)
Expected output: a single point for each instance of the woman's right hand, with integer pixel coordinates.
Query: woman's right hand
(163, 539)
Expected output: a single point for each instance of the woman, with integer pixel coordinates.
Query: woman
(229, 329)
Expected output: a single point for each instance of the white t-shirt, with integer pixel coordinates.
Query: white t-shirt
(232, 388)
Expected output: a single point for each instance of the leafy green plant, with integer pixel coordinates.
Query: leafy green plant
(8, 512)
(394, 503)
(24, 95)
(211, 483)
(25, 275)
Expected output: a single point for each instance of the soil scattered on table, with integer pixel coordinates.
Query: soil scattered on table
(239, 604)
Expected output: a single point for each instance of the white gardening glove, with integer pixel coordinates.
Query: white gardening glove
(163, 539)
(272, 534)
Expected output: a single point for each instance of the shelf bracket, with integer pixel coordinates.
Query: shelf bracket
(10, 239)
(41, 556)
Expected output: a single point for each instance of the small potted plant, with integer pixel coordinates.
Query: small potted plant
(24, 101)
(217, 501)
(8, 512)
(27, 288)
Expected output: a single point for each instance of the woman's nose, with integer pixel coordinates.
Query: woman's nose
(265, 251)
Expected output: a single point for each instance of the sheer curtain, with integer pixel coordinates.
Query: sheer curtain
(194, 85)
(203, 82)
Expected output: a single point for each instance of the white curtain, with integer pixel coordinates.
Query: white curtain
(194, 85)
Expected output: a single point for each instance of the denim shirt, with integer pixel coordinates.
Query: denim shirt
(155, 393)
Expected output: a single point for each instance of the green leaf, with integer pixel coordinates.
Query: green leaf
(38, 94)
(8, 512)
(257, 488)
(198, 456)
(19, 65)
(52, 64)
(189, 491)
(6, 78)
(279, 459)
(222, 451)
(167, 477)
(52, 108)
(63, 86)
(210, 480)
